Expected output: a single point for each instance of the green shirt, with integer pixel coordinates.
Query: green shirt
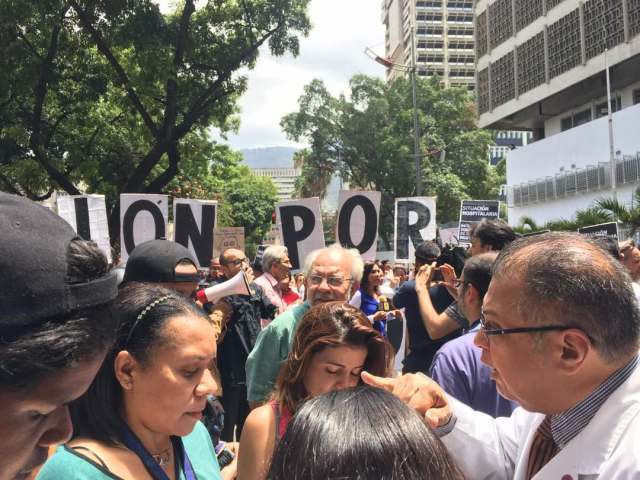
(271, 349)
(69, 464)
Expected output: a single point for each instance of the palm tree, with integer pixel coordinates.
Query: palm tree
(628, 215)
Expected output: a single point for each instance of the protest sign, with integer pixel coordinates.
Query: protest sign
(228, 237)
(415, 222)
(143, 217)
(87, 214)
(300, 225)
(357, 221)
(471, 212)
(609, 229)
(194, 224)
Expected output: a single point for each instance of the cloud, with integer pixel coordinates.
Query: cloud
(333, 52)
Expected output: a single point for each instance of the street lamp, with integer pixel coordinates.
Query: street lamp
(412, 72)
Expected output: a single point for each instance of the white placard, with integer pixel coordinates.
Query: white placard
(87, 214)
(194, 225)
(415, 222)
(357, 221)
(300, 225)
(143, 217)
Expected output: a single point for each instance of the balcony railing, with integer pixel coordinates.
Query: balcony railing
(575, 182)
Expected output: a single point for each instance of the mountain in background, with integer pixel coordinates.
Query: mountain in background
(269, 157)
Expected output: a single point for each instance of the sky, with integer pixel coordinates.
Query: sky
(333, 52)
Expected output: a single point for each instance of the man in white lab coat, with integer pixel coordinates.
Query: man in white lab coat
(561, 330)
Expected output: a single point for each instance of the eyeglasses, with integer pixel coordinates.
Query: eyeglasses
(506, 331)
(237, 261)
(332, 281)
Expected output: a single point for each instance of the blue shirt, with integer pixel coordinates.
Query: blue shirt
(421, 347)
(68, 464)
(458, 370)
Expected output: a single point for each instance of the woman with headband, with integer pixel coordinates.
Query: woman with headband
(141, 416)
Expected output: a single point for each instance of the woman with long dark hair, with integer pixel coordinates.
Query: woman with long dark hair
(333, 343)
(140, 417)
(360, 433)
(374, 305)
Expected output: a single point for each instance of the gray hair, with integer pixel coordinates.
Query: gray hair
(579, 285)
(273, 254)
(357, 264)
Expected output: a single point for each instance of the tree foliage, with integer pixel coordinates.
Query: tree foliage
(113, 96)
(367, 139)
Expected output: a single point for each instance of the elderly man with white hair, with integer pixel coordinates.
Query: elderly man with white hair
(330, 274)
(276, 267)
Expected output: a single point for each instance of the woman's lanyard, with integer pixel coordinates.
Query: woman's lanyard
(133, 443)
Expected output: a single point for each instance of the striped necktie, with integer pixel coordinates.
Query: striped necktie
(543, 448)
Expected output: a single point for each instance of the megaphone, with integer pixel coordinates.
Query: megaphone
(238, 285)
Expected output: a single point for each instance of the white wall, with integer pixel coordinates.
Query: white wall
(581, 146)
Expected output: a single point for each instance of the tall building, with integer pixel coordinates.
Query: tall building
(283, 178)
(443, 38)
(541, 67)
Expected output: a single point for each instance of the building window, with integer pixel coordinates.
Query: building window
(603, 26)
(500, 22)
(601, 108)
(564, 44)
(531, 66)
(636, 96)
(575, 120)
(502, 80)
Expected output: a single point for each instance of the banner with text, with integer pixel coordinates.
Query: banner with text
(415, 222)
(357, 221)
(300, 225)
(471, 212)
(143, 217)
(609, 229)
(87, 214)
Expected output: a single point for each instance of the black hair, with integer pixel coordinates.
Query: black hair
(477, 271)
(360, 433)
(493, 232)
(427, 252)
(143, 310)
(368, 266)
(567, 279)
(36, 353)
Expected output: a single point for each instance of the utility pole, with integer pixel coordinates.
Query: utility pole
(416, 133)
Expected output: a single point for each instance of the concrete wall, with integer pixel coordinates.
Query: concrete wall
(553, 125)
(575, 148)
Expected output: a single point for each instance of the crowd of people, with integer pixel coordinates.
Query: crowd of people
(519, 360)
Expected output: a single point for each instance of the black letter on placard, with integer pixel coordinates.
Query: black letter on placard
(187, 228)
(291, 236)
(130, 215)
(370, 223)
(406, 231)
(82, 218)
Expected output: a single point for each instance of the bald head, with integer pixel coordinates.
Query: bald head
(572, 279)
(232, 261)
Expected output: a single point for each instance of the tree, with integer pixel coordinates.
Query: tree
(108, 95)
(367, 139)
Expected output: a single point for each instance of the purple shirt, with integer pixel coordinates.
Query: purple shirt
(458, 370)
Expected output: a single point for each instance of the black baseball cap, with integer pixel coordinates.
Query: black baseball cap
(155, 261)
(34, 266)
